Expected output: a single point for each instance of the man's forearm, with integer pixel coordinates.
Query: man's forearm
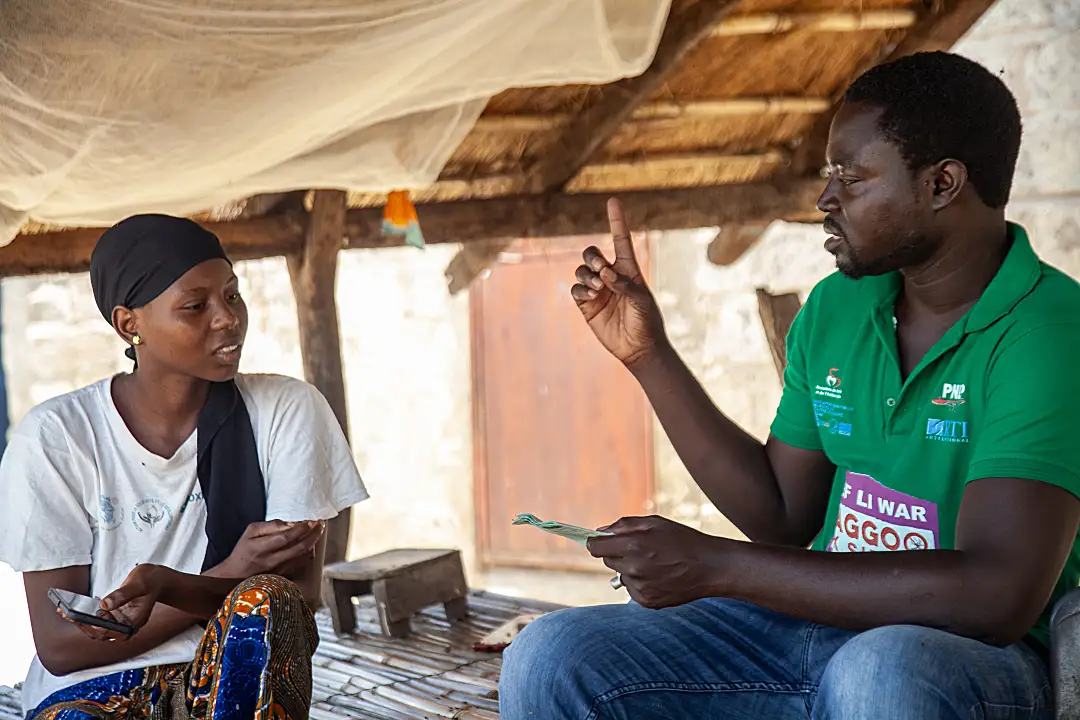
(728, 464)
(946, 589)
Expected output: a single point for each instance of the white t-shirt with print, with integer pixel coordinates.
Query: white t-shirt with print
(76, 488)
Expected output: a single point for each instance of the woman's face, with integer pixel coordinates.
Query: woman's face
(197, 326)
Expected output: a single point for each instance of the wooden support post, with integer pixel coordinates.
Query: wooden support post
(313, 272)
(777, 313)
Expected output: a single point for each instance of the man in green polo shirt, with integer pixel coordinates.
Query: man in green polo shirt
(913, 514)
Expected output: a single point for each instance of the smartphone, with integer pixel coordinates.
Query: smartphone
(83, 609)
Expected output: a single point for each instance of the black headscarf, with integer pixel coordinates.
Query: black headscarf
(135, 261)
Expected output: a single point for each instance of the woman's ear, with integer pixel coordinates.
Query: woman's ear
(125, 324)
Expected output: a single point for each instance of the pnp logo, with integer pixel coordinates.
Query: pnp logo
(953, 392)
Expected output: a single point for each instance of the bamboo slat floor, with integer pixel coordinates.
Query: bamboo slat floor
(434, 673)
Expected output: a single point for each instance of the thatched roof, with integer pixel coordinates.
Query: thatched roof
(738, 97)
(732, 110)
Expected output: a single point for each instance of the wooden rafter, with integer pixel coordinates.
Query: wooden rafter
(936, 29)
(471, 262)
(685, 110)
(770, 23)
(597, 123)
(732, 242)
(464, 221)
(505, 184)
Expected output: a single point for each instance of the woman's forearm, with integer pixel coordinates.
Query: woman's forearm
(64, 649)
(197, 595)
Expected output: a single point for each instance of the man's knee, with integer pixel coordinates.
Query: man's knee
(892, 671)
(543, 667)
(543, 643)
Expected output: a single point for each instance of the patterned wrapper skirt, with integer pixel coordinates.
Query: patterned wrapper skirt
(254, 663)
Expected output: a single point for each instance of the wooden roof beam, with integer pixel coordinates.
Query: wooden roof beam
(936, 29)
(686, 110)
(503, 184)
(733, 240)
(465, 221)
(66, 251)
(597, 123)
(561, 214)
(771, 23)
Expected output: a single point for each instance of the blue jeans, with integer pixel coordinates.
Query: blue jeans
(723, 660)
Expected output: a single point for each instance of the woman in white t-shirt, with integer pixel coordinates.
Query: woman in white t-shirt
(191, 498)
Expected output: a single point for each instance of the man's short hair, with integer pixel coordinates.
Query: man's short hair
(939, 105)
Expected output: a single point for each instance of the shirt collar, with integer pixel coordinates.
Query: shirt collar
(1017, 276)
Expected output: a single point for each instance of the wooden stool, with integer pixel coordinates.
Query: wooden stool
(403, 583)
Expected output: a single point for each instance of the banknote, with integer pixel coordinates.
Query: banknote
(571, 532)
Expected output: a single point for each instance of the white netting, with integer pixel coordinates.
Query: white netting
(109, 107)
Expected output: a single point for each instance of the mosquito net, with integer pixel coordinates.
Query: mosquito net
(109, 107)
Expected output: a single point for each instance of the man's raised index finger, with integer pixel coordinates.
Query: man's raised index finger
(624, 247)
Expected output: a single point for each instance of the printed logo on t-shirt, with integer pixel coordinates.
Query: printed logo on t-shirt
(831, 386)
(952, 395)
(950, 431)
(834, 418)
(151, 514)
(111, 513)
(193, 498)
(873, 517)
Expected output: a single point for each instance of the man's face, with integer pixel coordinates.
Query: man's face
(877, 218)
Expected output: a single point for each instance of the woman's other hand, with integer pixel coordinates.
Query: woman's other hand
(271, 546)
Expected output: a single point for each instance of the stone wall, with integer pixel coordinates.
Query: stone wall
(1035, 45)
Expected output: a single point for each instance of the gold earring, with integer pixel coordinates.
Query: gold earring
(136, 340)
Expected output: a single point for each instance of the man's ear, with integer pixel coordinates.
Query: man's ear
(945, 180)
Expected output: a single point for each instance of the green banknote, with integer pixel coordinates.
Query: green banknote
(571, 532)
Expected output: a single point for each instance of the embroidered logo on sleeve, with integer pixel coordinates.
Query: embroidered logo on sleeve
(873, 518)
(111, 514)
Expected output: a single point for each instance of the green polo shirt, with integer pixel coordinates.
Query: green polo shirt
(995, 397)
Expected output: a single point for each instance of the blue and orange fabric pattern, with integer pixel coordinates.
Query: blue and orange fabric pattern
(254, 663)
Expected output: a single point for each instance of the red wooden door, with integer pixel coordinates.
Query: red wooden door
(561, 429)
